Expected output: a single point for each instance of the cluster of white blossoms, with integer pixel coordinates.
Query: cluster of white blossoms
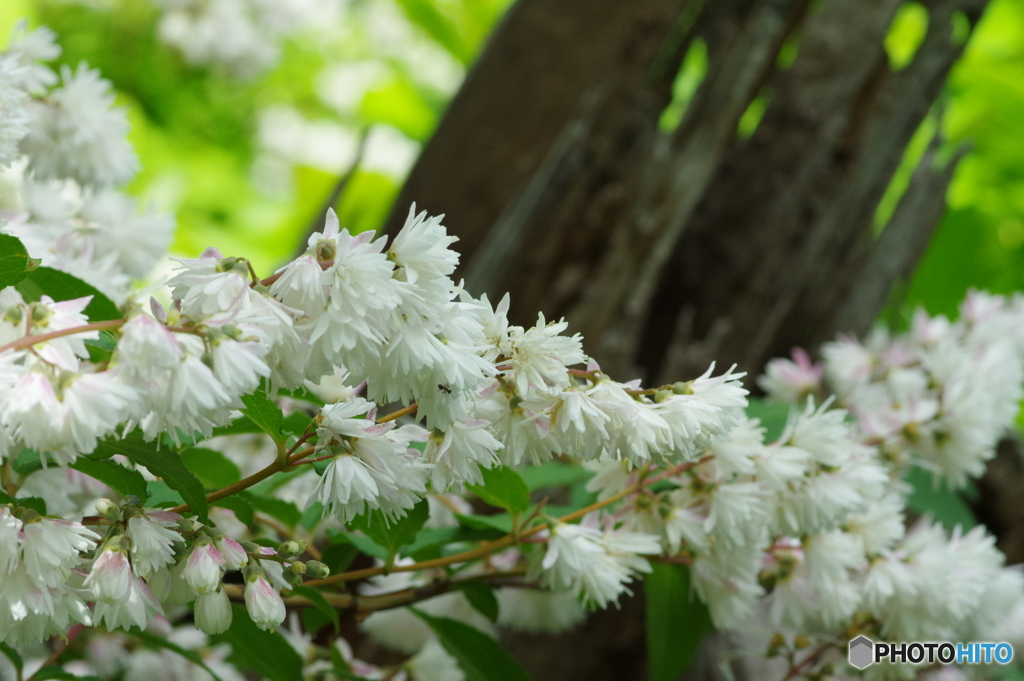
(380, 388)
(938, 396)
(239, 36)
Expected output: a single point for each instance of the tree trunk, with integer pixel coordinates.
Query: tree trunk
(670, 247)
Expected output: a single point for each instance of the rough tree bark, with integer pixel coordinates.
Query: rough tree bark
(670, 248)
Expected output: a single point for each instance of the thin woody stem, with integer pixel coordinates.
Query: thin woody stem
(508, 540)
(29, 341)
(411, 409)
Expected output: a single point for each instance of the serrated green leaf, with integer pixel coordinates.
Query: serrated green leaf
(28, 461)
(268, 654)
(14, 261)
(242, 509)
(320, 603)
(504, 488)
(554, 475)
(338, 556)
(63, 286)
(113, 475)
(676, 621)
(481, 596)
(264, 413)
(165, 464)
(296, 423)
(480, 656)
(285, 511)
(13, 656)
(37, 504)
(398, 533)
(212, 468)
(155, 641)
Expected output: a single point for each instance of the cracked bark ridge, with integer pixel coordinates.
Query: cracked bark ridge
(670, 248)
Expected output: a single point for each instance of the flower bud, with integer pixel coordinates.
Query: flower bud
(298, 567)
(204, 567)
(317, 570)
(290, 549)
(108, 510)
(213, 612)
(235, 556)
(262, 600)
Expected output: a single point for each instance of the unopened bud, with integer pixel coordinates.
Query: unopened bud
(317, 570)
(108, 510)
(682, 388)
(801, 641)
(290, 549)
(292, 578)
(298, 567)
(132, 500)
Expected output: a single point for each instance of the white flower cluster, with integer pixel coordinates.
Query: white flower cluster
(240, 36)
(67, 143)
(938, 396)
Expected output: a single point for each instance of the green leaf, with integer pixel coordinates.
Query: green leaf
(268, 654)
(773, 416)
(943, 504)
(10, 652)
(212, 468)
(164, 464)
(14, 261)
(399, 533)
(113, 475)
(481, 596)
(28, 461)
(311, 516)
(264, 413)
(480, 656)
(243, 425)
(243, 509)
(364, 544)
(154, 641)
(320, 603)
(63, 286)
(61, 674)
(554, 475)
(160, 495)
(37, 504)
(504, 488)
(676, 621)
(500, 523)
(285, 511)
(296, 423)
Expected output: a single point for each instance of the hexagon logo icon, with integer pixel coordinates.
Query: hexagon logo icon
(862, 652)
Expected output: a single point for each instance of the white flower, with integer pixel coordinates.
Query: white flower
(213, 612)
(595, 565)
(29, 48)
(152, 540)
(10, 540)
(134, 611)
(146, 348)
(537, 611)
(204, 567)
(14, 118)
(111, 575)
(234, 555)
(460, 452)
(421, 248)
(262, 600)
(78, 135)
(540, 355)
(433, 663)
(51, 548)
(791, 380)
(302, 286)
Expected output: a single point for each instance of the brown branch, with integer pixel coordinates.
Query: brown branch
(29, 341)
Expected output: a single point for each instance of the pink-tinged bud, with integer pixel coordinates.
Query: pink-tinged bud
(213, 612)
(235, 557)
(204, 567)
(110, 577)
(262, 600)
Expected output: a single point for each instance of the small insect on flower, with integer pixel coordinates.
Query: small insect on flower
(445, 388)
